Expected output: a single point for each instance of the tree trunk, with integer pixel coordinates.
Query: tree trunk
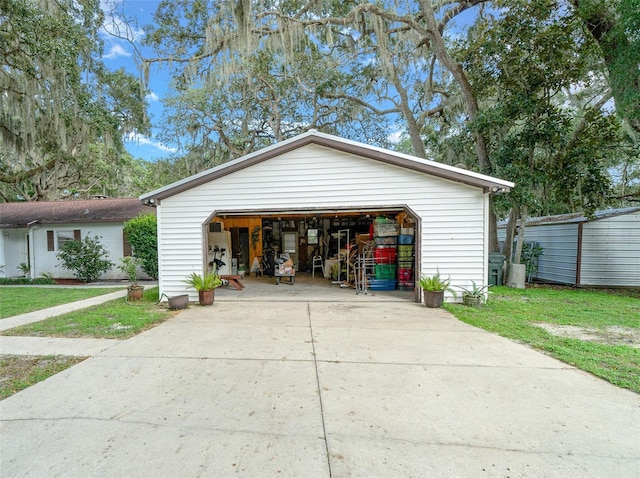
(523, 218)
(494, 245)
(507, 249)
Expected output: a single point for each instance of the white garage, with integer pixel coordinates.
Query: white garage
(323, 199)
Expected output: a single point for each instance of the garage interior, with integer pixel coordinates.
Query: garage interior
(364, 249)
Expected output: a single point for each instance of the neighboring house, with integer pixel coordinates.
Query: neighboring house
(315, 179)
(32, 232)
(600, 251)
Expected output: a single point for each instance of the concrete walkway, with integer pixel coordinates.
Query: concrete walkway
(319, 389)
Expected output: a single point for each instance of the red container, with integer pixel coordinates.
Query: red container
(385, 255)
(405, 275)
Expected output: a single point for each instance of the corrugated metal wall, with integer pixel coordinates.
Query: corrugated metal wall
(611, 251)
(559, 258)
(452, 213)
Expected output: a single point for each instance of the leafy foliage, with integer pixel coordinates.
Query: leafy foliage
(435, 283)
(209, 281)
(87, 258)
(142, 234)
(62, 113)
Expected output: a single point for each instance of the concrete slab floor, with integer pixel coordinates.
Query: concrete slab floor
(319, 389)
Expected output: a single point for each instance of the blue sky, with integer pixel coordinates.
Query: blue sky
(119, 53)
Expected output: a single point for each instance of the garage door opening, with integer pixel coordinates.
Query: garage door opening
(366, 250)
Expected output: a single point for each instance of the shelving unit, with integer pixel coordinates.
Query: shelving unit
(385, 254)
(406, 259)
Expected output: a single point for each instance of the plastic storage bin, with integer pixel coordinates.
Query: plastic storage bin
(405, 253)
(385, 230)
(385, 271)
(386, 241)
(405, 275)
(405, 239)
(383, 284)
(385, 255)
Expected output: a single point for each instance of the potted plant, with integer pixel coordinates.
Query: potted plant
(475, 296)
(205, 285)
(434, 288)
(129, 265)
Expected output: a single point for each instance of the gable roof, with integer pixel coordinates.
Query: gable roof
(340, 144)
(22, 214)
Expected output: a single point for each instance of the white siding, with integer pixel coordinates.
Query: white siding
(611, 251)
(14, 243)
(452, 214)
(109, 234)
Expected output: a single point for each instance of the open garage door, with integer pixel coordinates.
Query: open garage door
(365, 249)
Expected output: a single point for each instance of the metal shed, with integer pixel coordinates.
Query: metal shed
(603, 250)
(320, 175)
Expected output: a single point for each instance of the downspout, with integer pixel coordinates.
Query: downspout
(31, 252)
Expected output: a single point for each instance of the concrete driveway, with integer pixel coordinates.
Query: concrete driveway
(319, 389)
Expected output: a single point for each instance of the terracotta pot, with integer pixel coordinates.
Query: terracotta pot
(135, 292)
(206, 296)
(433, 299)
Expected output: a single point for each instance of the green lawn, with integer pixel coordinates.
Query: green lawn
(514, 313)
(19, 300)
(115, 319)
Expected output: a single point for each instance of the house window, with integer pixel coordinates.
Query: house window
(57, 239)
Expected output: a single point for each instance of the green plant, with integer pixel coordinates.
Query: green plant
(24, 268)
(142, 234)
(531, 252)
(475, 291)
(86, 258)
(435, 283)
(129, 265)
(209, 281)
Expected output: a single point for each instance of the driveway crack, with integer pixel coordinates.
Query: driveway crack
(315, 365)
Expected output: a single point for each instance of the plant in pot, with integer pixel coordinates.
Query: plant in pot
(205, 285)
(129, 265)
(434, 288)
(474, 296)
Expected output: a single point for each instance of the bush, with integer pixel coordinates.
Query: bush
(86, 258)
(142, 234)
(26, 281)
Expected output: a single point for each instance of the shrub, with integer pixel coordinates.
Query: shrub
(87, 258)
(26, 281)
(142, 234)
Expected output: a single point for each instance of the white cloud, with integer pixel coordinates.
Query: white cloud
(143, 140)
(152, 97)
(116, 51)
(395, 137)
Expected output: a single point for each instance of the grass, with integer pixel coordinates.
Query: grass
(514, 313)
(115, 319)
(19, 300)
(20, 372)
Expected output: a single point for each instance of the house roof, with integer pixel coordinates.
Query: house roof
(426, 166)
(576, 217)
(23, 214)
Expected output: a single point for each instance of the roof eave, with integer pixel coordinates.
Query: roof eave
(489, 184)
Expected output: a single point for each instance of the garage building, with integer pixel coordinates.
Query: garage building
(318, 195)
